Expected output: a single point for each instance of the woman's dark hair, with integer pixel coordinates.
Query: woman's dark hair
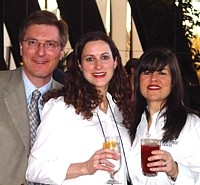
(83, 95)
(175, 113)
(47, 18)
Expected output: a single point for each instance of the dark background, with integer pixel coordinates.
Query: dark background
(158, 24)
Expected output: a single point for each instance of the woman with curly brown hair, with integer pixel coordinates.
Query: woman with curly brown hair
(93, 104)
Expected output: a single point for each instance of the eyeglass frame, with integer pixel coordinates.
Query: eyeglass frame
(36, 44)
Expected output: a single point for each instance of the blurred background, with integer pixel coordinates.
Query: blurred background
(134, 25)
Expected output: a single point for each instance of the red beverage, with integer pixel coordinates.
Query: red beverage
(147, 146)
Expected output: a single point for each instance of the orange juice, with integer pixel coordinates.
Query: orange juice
(110, 144)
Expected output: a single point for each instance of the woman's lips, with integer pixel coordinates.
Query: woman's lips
(153, 87)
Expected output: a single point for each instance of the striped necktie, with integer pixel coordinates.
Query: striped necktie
(34, 116)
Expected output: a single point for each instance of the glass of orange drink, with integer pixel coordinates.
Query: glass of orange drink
(113, 143)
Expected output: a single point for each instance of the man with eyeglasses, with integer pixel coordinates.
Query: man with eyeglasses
(42, 41)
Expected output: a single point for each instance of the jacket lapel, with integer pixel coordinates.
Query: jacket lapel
(15, 100)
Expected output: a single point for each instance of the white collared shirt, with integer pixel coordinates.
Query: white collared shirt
(185, 150)
(64, 137)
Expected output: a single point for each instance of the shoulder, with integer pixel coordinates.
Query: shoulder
(7, 75)
(57, 105)
(54, 102)
(190, 133)
(56, 110)
(56, 85)
(193, 118)
(10, 78)
(192, 126)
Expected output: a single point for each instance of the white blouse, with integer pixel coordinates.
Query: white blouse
(63, 138)
(185, 150)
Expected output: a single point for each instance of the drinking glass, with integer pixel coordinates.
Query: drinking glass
(147, 146)
(113, 143)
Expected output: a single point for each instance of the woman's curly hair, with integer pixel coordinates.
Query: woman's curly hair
(84, 96)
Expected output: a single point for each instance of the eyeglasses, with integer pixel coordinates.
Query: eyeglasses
(35, 44)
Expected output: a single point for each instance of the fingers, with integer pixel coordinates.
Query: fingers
(106, 155)
(162, 161)
(106, 165)
(100, 161)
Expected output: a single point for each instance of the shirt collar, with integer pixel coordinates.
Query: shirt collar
(29, 87)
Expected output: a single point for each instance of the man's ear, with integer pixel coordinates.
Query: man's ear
(20, 47)
(62, 54)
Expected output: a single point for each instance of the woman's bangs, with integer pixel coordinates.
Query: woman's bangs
(154, 64)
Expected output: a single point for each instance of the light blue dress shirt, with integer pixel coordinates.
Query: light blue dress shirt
(29, 88)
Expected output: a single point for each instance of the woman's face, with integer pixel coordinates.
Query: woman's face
(156, 86)
(97, 64)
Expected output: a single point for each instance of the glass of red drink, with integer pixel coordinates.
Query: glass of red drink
(147, 146)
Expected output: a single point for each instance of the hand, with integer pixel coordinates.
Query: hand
(162, 161)
(99, 161)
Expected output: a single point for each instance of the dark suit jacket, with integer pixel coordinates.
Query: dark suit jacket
(14, 128)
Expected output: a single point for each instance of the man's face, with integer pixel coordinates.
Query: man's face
(41, 52)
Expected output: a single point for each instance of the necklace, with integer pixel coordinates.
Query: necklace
(113, 119)
(101, 127)
(118, 134)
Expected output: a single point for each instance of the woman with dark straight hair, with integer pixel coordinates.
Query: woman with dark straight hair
(161, 114)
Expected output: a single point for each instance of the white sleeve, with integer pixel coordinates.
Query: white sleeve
(46, 164)
(188, 160)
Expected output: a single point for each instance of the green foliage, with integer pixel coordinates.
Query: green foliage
(190, 20)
